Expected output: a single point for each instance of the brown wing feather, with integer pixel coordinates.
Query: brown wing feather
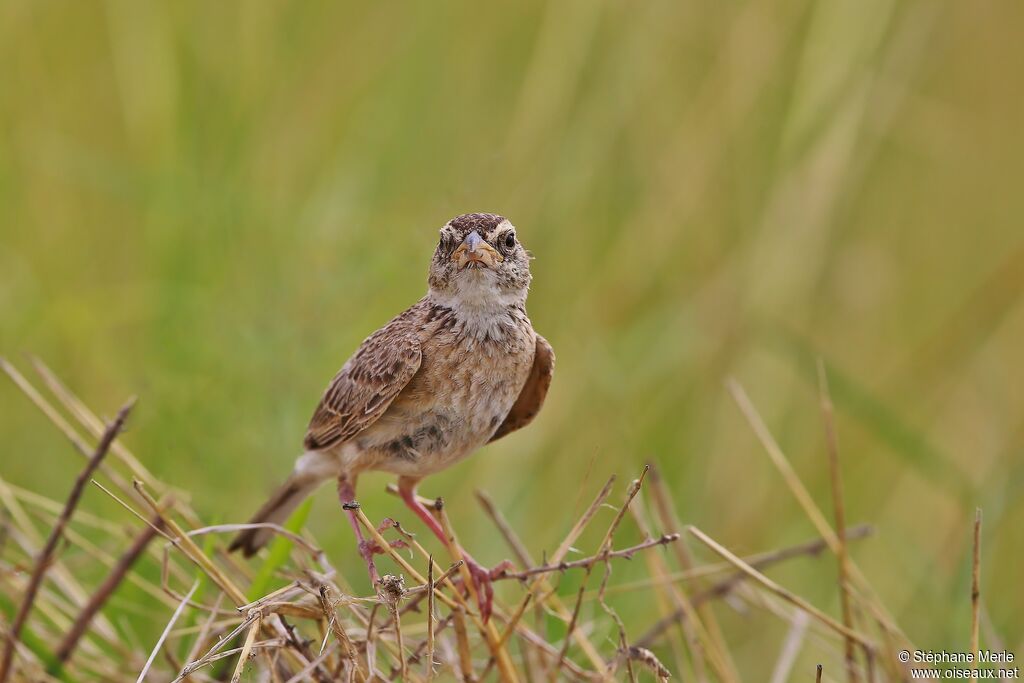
(368, 383)
(531, 398)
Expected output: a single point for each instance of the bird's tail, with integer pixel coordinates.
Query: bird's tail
(275, 511)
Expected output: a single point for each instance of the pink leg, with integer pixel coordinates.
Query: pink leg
(482, 577)
(347, 496)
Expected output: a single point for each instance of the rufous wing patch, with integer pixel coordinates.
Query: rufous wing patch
(532, 396)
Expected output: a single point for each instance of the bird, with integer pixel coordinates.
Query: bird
(460, 368)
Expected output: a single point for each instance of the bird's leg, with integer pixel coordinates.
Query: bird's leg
(482, 577)
(367, 548)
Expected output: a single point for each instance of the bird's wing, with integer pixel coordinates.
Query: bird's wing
(368, 383)
(531, 398)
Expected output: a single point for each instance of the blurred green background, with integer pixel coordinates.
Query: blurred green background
(211, 204)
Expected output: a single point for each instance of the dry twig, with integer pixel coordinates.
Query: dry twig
(43, 561)
(106, 589)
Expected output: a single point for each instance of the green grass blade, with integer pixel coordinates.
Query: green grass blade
(280, 548)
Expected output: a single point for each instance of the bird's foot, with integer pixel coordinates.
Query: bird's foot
(483, 583)
(370, 547)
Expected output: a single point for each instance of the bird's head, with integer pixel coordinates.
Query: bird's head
(479, 260)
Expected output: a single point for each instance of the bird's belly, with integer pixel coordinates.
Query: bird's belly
(425, 432)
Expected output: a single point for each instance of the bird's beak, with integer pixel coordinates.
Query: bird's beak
(476, 251)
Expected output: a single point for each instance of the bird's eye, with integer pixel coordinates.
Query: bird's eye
(510, 240)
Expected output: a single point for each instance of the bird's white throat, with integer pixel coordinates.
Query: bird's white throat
(479, 303)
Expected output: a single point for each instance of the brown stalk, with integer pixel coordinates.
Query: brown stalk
(430, 618)
(790, 647)
(604, 547)
(588, 562)
(448, 574)
(649, 660)
(55, 417)
(243, 658)
(666, 510)
(418, 653)
(167, 629)
(75, 406)
(348, 649)
(543, 645)
(505, 529)
(45, 555)
(836, 478)
(810, 508)
(778, 590)
(693, 628)
(556, 558)
(400, 640)
(264, 646)
(525, 558)
(396, 556)
(298, 645)
(181, 540)
(204, 631)
(550, 596)
(514, 619)
(106, 589)
(216, 648)
(762, 560)
(975, 591)
(462, 640)
(623, 641)
(313, 666)
(489, 632)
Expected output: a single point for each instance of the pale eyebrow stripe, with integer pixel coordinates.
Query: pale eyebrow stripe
(501, 229)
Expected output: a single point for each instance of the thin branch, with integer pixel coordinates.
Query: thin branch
(810, 508)
(250, 638)
(304, 674)
(975, 591)
(45, 555)
(430, 618)
(167, 629)
(589, 562)
(505, 529)
(462, 639)
(606, 543)
(106, 589)
(836, 479)
(790, 647)
(347, 648)
(773, 587)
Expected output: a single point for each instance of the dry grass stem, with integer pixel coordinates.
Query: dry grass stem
(43, 560)
(106, 589)
(975, 591)
(790, 648)
(236, 614)
(779, 590)
(814, 514)
(246, 651)
(430, 618)
(589, 562)
(836, 479)
(167, 629)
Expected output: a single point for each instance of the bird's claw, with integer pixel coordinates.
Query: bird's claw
(483, 583)
(370, 548)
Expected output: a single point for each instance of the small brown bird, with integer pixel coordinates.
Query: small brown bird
(459, 369)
